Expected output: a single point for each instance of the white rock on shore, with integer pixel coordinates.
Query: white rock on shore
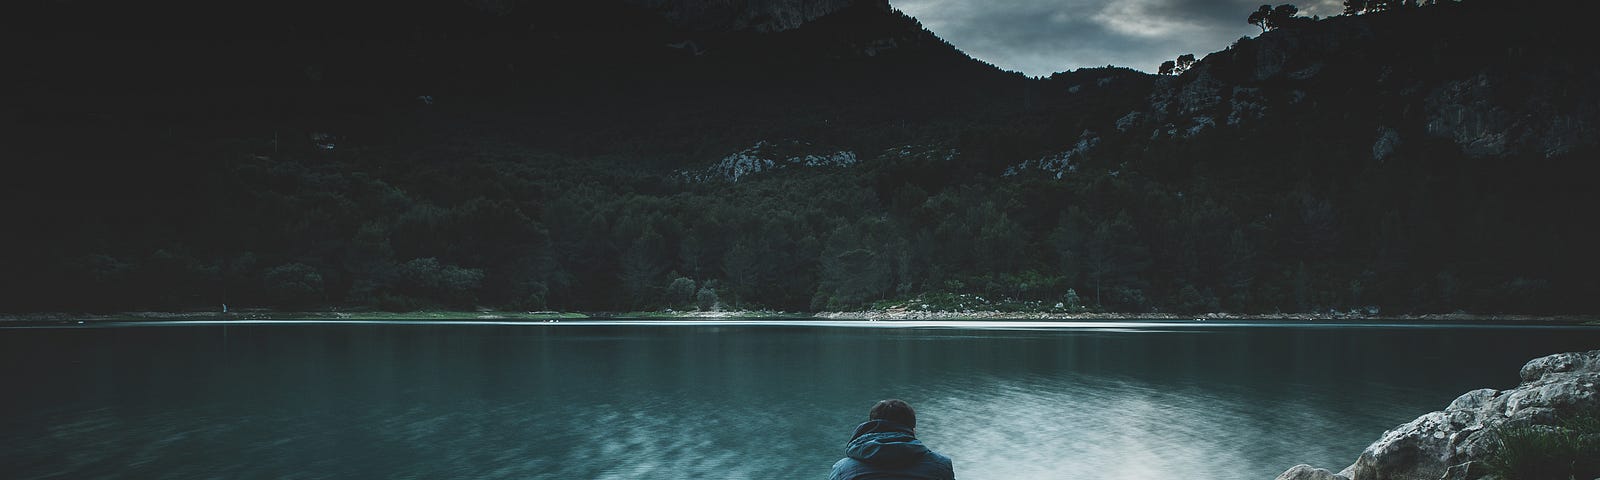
(1449, 444)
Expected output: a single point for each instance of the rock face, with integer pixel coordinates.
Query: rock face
(1487, 117)
(766, 156)
(1450, 443)
(1059, 164)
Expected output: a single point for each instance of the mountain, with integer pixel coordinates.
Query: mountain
(611, 155)
(755, 15)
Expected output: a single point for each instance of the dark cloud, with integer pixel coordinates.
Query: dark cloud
(1040, 37)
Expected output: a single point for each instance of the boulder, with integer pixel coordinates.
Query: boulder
(1307, 472)
(1449, 444)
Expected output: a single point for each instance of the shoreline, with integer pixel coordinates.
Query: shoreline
(866, 315)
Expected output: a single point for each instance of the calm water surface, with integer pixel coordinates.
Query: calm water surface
(619, 401)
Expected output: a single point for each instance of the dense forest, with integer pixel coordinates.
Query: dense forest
(855, 161)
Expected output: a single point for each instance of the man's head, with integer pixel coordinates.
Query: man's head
(897, 411)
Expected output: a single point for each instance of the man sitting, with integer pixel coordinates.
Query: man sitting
(886, 446)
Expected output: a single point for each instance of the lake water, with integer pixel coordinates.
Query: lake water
(747, 400)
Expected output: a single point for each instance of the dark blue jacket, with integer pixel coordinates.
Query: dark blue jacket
(881, 449)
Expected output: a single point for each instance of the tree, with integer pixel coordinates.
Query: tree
(706, 299)
(855, 267)
(1115, 259)
(1352, 7)
(369, 258)
(430, 281)
(1259, 17)
(1068, 238)
(681, 291)
(1269, 18)
(643, 264)
(1185, 62)
(294, 285)
(745, 268)
(1238, 269)
(1282, 16)
(1170, 67)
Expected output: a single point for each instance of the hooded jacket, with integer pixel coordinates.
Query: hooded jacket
(881, 449)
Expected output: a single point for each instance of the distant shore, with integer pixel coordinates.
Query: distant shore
(865, 315)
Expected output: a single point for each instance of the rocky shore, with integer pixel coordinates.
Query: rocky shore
(1451, 444)
(909, 314)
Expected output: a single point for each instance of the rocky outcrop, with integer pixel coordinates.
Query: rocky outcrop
(1450, 444)
(1488, 117)
(1059, 164)
(765, 156)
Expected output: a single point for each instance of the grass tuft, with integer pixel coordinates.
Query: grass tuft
(1570, 450)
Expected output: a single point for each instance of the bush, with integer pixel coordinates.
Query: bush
(1192, 300)
(1071, 302)
(1543, 452)
(680, 292)
(707, 299)
(429, 280)
(294, 285)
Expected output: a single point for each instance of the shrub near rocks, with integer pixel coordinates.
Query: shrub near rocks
(1571, 450)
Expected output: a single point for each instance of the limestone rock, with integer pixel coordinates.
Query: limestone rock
(1307, 472)
(1127, 122)
(1059, 164)
(1448, 444)
(1384, 146)
(1247, 103)
(766, 156)
(1487, 115)
(1463, 111)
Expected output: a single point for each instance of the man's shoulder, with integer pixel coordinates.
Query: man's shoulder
(942, 461)
(843, 469)
(843, 462)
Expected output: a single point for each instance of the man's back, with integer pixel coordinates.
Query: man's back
(880, 449)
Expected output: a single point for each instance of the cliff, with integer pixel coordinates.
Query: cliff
(1453, 444)
(1486, 76)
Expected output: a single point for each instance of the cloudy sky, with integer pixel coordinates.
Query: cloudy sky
(1040, 37)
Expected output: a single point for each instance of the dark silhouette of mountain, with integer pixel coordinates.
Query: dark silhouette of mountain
(802, 155)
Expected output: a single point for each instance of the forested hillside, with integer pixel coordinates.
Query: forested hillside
(598, 156)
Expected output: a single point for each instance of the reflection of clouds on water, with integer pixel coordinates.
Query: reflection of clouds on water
(1084, 427)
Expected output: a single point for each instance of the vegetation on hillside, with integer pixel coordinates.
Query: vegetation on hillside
(570, 196)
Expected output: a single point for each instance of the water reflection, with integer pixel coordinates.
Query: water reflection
(624, 402)
(1121, 428)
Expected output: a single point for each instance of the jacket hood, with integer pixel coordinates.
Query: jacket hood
(881, 442)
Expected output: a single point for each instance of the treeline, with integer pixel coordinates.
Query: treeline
(471, 225)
